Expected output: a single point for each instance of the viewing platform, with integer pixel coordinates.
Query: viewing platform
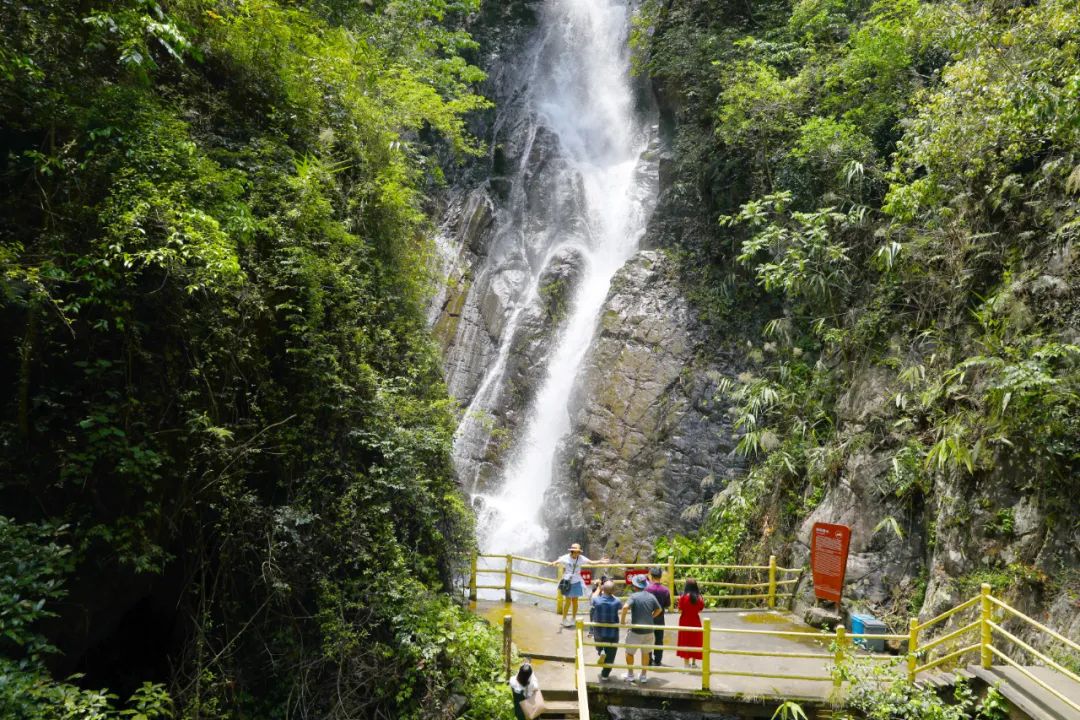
(756, 658)
(737, 679)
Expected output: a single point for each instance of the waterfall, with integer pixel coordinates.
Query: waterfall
(586, 181)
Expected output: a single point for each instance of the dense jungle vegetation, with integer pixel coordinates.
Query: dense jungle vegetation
(883, 189)
(225, 486)
(224, 445)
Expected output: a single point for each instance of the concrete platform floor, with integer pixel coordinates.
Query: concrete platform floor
(536, 632)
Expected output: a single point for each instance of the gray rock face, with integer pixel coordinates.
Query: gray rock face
(538, 326)
(880, 562)
(966, 530)
(455, 315)
(868, 396)
(649, 444)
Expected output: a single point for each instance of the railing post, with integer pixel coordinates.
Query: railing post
(508, 634)
(671, 578)
(913, 648)
(706, 653)
(509, 572)
(986, 638)
(772, 581)
(559, 601)
(472, 580)
(841, 638)
(579, 628)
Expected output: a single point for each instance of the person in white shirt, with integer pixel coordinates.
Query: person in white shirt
(523, 686)
(573, 561)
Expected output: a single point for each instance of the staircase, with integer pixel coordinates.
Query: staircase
(560, 704)
(1027, 699)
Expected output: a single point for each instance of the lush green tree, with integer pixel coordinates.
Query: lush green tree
(896, 187)
(213, 264)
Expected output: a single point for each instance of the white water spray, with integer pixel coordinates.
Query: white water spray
(580, 92)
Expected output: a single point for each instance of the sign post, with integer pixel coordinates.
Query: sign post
(629, 576)
(828, 557)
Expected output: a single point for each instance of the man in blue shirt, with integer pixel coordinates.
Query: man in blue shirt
(605, 609)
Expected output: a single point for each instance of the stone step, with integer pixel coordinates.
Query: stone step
(560, 708)
(939, 680)
(552, 694)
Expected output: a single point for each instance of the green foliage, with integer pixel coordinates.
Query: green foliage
(819, 21)
(1001, 579)
(881, 691)
(789, 711)
(34, 560)
(213, 263)
(759, 108)
(805, 261)
(895, 183)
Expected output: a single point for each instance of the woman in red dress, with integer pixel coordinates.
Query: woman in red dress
(690, 606)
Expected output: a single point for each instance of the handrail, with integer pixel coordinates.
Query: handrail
(648, 668)
(720, 567)
(948, 613)
(717, 583)
(665, 628)
(579, 674)
(533, 593)
(984, 623)
(1034, 679)
(739, 631)
(502, 556)
(770, 596)
(946, 658)
(770, 676)
(774, 654)
(951, 636)
(1052, 633)
(1061, 669)
(541, 578)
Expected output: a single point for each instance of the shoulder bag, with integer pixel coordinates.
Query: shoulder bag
(564, 583)
(533, 705)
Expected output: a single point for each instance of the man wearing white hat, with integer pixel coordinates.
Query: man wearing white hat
(571, 584)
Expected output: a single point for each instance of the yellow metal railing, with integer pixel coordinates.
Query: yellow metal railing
(579, 672)
(989, 650)
(772, 589)
(984, 627)
(957, 643)
(509, 571)
(708, 649)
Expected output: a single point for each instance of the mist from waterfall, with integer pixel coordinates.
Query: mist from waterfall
(579, 91)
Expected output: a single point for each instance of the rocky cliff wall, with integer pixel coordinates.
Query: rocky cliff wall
(925, 533)
(649, 444)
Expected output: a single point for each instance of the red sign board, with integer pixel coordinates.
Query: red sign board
(586, 577)
(828, 557)
(635, 571)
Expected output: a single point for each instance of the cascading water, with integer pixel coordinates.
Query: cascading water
(597, 200)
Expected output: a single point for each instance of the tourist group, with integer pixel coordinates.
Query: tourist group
(645, 606)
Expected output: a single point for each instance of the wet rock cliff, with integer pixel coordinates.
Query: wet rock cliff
(650, 443)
